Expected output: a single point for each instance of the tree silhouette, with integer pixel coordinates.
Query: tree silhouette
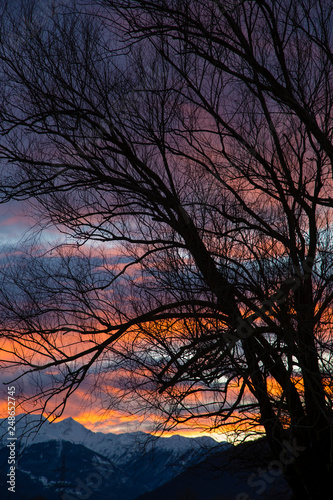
(188, 146)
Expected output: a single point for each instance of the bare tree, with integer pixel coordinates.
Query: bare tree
(188, 146)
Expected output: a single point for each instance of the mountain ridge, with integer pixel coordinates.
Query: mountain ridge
(108, 444)
(133, 463)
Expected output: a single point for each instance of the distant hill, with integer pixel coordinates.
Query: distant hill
(59, 470)
(66, 461)
(236, 473)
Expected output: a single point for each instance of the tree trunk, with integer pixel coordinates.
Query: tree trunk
(310, 473)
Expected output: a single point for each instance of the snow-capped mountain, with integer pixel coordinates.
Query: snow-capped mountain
(116, 447)
(62, 455)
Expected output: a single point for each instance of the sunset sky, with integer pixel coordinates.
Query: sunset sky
(17, 226)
